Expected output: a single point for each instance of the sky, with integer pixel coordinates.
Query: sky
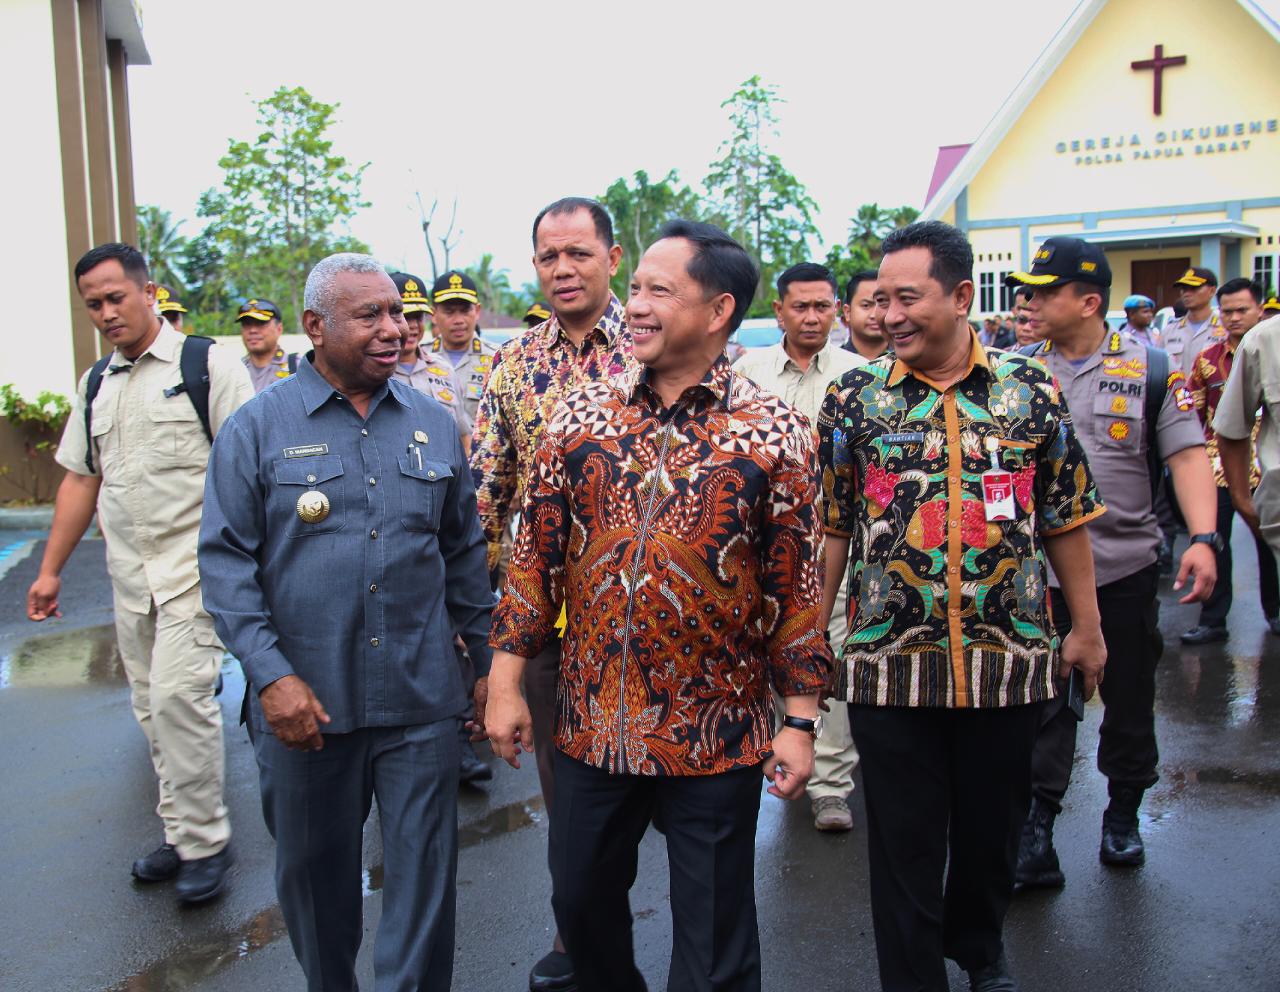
(510, 105)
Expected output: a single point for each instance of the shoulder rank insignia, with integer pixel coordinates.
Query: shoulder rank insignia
(1115, 343)
(437, 370)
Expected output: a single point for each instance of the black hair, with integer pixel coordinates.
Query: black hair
(130, 259)
(719, 264)
(1026, 292)
(952, 261)
(856, 280)
(572, 204)
(1081, 288)
(1239, 286)
(806, 272)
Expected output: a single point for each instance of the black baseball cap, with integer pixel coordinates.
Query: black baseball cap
(537, 313)
(1063, 260)
(411, 295)
(1195, 277)
(260, 310)
(455, 285)
(167, 301)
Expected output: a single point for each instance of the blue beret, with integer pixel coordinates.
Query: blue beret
(1137, 300)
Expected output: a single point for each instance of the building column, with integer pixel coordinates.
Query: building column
(121, 129)
(1231, 262)
(1211, 254)
(97, 121)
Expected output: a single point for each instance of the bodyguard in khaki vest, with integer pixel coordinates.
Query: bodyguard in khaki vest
(142, 471)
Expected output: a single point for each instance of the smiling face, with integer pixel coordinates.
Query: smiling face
(120, 307)
(358, 344)
(676, 325)
(926, 324)
(260, 336)
(415, 325)
(574, 265)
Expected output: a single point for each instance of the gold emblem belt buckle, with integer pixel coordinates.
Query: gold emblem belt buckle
(313, 506)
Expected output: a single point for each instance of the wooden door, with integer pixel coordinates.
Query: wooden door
(1154, 278)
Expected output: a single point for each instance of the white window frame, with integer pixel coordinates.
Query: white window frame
(1271, 279)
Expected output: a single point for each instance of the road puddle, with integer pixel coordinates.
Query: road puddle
(85, 656)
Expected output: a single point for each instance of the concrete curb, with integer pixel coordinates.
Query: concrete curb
(26, 517)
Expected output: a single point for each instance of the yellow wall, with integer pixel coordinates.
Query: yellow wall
(1230, 77)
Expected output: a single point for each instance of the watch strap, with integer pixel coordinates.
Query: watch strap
(800, 723)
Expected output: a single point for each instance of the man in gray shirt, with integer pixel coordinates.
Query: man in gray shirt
(340, 548)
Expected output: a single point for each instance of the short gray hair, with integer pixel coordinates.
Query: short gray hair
(318, 294)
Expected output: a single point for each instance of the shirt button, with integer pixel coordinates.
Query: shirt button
(373, 534)
(311, 478)
(951, 523)
(953, 569)
(373, 587)
(373, 482)
(373, 641)
(431, 474)
(364, 432)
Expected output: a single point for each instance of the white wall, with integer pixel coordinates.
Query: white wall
(35, 337)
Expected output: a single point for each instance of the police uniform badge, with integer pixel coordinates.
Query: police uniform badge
(313, 506)
(1118, 431)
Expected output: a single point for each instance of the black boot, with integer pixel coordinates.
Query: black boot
(1038, 866)
(470, 768)
(1121, 842)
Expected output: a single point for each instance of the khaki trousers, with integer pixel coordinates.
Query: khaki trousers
(834, 754)
(171, 657)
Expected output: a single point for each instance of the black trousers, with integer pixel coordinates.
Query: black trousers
(942, 785)
(710, 826)
(1127, 752)
(1215, 609)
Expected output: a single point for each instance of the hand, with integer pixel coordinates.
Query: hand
(791, 763)
(1084, 648)
(1200, 561)
(480, 696)
(507, 721)
(42, 598)
(294, 713)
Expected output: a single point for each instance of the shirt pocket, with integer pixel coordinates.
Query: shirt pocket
(100, 442)
(422, 493)
(177, 436)
(297, 476)
(1117, 422)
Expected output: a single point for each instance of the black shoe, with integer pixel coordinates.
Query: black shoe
(1121, 843)
(992, 978)
(1273, 623)
(554, 973)
(203, 878)
(1203, 634)
(470, 768)
(160, 865)
(1038, 866)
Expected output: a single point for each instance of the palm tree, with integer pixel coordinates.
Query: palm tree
(161, 244)
(902, 216)
(493, 287)
(868, 226)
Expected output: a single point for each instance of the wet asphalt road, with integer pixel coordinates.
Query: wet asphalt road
(78, 791)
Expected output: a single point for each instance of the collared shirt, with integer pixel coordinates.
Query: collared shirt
(277, 368)
(363, 603)
(776, 371)
(530, 374)
(470, 372)
(431, 374)
(685, 544)
(1209, 374)
(949, 608)
(1147, 335)
(151, 450)
(1254, 383)
(1106, 394)
(1184, 340)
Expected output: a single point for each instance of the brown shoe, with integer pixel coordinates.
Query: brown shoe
(831, 813)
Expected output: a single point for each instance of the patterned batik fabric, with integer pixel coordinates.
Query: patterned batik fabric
(529, 375)
(1206, 382)
(948, 608)
(685, 543)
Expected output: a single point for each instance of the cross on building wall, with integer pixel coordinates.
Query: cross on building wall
(1158, 64)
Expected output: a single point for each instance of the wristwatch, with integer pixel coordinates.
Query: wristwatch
(811, 727)
(1214, 541)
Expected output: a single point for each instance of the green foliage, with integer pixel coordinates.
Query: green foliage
(284, 204)
(867, 229)
(763, 205)
(493, 287)
(163, 246)
(40, 422)
(47, 412)
(640, 210)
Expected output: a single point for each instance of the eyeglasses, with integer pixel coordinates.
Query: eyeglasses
(1024, 320)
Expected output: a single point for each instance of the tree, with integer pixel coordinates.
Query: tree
(638, 213)
(765, 207)
(161, 244)
(493, 287)
(285, 202)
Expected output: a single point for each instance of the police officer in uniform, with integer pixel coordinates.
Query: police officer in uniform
(538, 313)
(1188, 335)
(425, 370)
(170, 307)
(457, 313)
(137, 458)
(1104, 380)
(260, 329)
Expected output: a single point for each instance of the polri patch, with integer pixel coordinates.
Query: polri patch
(306, 450)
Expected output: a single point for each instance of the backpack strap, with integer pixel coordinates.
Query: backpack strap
(194, 367)
(91, 388)
(1153, 402)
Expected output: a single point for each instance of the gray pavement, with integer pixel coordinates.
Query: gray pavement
(78, 794)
